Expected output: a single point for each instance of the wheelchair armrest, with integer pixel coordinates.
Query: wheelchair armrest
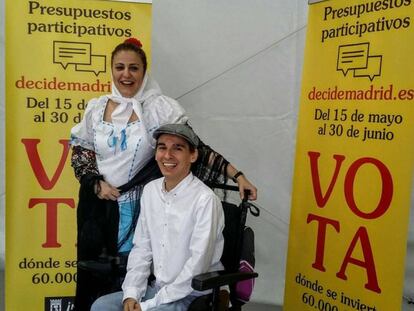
(214, 279)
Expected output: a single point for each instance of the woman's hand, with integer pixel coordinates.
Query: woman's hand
(105, 191)
(245, 184)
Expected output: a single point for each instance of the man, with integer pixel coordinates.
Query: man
(178, 235)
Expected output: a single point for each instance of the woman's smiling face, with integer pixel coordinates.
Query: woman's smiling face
(127, 72)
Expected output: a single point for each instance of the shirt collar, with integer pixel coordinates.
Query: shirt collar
(181, 185)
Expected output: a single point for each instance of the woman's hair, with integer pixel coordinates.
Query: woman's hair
(131, 44)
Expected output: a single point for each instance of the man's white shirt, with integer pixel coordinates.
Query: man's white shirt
(178, 235)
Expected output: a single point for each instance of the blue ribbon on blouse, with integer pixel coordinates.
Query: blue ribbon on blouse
(113, 140)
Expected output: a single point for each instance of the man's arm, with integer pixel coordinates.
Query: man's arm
(206, 246)
(139, 260)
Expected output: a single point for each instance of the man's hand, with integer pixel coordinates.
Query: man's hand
(130, 304)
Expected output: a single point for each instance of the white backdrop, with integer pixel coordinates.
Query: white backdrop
(235, 66)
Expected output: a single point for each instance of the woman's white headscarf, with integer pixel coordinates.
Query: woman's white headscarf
(122, 113)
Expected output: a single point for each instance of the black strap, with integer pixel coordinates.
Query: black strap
(149, 172)
(254, 210)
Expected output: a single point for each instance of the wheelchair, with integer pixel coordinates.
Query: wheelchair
(104, 274)
(238, 245)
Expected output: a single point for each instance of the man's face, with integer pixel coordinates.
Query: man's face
(174, 157)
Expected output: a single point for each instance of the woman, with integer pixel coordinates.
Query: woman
(113, 158)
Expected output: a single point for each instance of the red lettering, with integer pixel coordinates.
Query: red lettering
(37, 166)
(316, 183)
(368, 264)
(320, 244)
(386, 194)
(51, 218)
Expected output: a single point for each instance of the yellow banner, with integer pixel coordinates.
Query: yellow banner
(57, 58)
(354, 158)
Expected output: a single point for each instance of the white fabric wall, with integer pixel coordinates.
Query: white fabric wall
(235, 66)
